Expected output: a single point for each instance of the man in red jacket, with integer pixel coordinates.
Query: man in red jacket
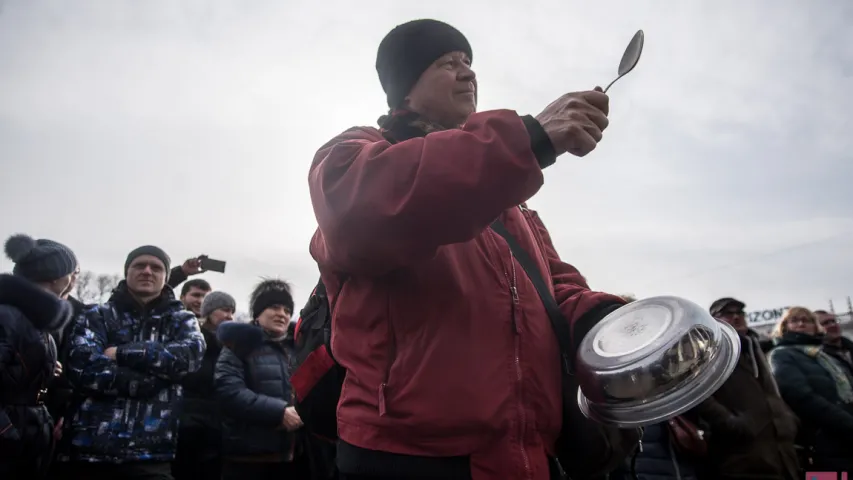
(453, 368)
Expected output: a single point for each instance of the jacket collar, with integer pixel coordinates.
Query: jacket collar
(44, 310)
(124, 301)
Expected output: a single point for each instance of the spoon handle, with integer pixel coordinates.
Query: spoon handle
(611, 83)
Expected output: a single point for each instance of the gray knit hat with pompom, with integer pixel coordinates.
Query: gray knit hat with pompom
(39, 260)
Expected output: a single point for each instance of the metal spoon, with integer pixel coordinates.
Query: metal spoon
(630, 57)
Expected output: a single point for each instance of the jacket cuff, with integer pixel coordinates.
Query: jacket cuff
(121, 355)
(540, 143)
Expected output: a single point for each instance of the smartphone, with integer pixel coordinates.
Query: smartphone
(212, 265)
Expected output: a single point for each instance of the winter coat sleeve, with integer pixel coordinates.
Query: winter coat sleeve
(722, 422)
(7, 351)
(238, 401)
(176, 277)
(171, 360)
(92, 372)
(7, 334)
(811, 407)
(201, 379)
(381, 206)
(580, 305)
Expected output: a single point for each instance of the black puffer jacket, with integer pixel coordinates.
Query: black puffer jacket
(810, 390)
(27, 362)
(60, 395)
(658, 459)
(201, 422)
(253, 386)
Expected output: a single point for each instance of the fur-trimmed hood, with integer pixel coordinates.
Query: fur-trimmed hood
(243, 338)
(47, 312)
(240, 338)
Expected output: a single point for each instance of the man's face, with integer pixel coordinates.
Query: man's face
(447, 91)
(193, 298)
(146, 276)
(734, 315)
(830, 324)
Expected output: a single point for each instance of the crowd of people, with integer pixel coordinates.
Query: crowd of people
(448, 302)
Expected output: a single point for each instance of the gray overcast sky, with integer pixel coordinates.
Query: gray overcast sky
(191, 125)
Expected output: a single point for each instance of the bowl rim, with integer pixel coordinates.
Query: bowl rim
(709, 381)
(678, 327)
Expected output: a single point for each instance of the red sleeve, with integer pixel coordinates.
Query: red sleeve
(582, 306)
(381, 206)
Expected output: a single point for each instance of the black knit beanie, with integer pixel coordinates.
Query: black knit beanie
(148, 250)
(409, 49)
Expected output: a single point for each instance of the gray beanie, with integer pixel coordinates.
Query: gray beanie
(39, 260)
(148, 250)
(213, 301)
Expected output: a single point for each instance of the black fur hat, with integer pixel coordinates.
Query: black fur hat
(268, 293)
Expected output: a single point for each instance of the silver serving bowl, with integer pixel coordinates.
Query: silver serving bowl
(653, 360)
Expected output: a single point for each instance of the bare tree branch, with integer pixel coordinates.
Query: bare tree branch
(94, 288)
(84, 289)
(105, 286)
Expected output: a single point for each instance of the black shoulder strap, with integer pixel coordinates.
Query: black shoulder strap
(558, 321)
(325, 311)
(320, 289)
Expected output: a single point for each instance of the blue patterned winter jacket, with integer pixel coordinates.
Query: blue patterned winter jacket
(126, 407)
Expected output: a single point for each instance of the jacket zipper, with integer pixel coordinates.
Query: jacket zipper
(513, 290)
(392, 353)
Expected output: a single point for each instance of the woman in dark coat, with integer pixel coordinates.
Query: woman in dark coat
(252, 381)
(30, 309)
(818, 388)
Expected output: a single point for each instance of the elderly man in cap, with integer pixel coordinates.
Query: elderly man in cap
(128, 357)
(453, 368)
(752, 430)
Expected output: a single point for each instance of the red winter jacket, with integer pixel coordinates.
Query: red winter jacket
(442, 359)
